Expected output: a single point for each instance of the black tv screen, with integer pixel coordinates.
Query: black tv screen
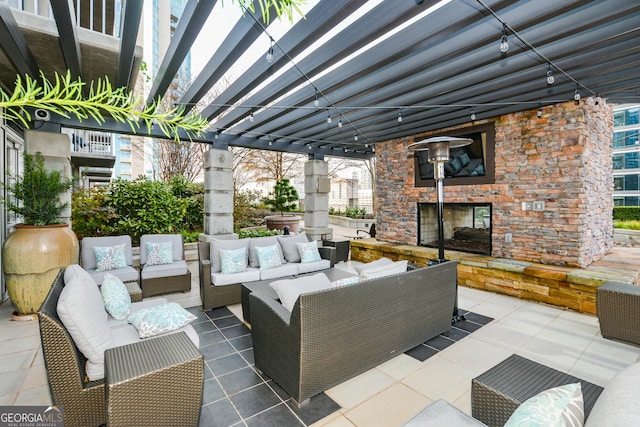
(472, 163)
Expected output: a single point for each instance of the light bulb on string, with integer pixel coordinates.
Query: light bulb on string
(539, 114)
(340, 123)
(399, 117)
(251, 118)
(550, 78)
(217, 134)
(309, 146)
(355, 137)
(328, 117)
(316, 101)
(473, 115)
(504, 40)
(576, 95)
(269, 56)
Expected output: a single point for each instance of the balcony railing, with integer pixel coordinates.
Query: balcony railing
(92, 142)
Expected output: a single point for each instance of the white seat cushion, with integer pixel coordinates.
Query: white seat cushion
(250, 275)
(127, 274)
(289, 290)
(618, 403)
(176, 268)
(288, 269)
(308, 267)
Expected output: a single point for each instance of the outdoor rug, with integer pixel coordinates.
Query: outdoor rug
(236, 395)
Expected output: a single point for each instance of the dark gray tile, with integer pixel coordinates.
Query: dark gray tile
(478, 318)
(210, 337)
(440, 342)
(248, 356)
(467, 326)
(219, 312)
(235, 331)
(239, 380)
(277, 389)
(212, 392)
(455, 334)
(226, 364)
(256, 399)
(219, 414)
(421, 352)
(225, 322)
(280, 416)
(242, 343)
(318, 407)
(204, 326)
(197, 311)
(215, 351)
(207, 371)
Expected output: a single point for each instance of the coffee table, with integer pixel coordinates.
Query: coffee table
(332, 274)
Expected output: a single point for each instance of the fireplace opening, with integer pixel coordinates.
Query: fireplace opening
(467, 226)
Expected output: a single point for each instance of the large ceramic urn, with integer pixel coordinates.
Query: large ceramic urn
(279, 222)
(31, 259)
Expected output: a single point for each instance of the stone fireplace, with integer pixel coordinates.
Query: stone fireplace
(548, 180)
(467, 226)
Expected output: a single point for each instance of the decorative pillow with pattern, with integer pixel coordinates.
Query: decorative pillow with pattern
(110, 257)
(233, 260)
(557, 407)
(159, 253)
(308, 252)
(345, 282)
(268, 256)
(116, 298)
(160, 319)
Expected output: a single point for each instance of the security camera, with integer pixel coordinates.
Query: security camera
(43, 115)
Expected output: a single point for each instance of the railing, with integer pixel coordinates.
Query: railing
(101, 16)
(91, 142)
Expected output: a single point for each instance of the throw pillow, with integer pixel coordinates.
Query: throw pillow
(116, 298)
(385, 270)
(233, 260)
(345, 282)
(160, 319)
(262, 241)
(110, 257)
(159, 253)
(557, 407)
(309, 252)
(289, 246)
(214, 250)
(289, 290)
(269, 257)
(373, 264)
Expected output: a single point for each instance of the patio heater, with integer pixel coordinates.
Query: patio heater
(438, 153)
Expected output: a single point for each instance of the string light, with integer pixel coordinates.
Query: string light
(251, 118)
(340, 123)
(328, 117)
(399, 117)
(473, 115)
(270, 142)
(344, 149)
(539, 111)
(504, 40)
(316, 101)
(550, 78)
(217, 134)
(355, 136)
(576, 95)
(309, 146)
(269, 56)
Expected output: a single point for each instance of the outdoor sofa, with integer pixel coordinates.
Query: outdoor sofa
(150, 381)
(334, 334)
(218, 289)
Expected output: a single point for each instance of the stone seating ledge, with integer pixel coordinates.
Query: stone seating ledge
(573, 288)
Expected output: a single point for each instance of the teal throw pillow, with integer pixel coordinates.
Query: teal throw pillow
(160, 319)
(309, 252)
(110, 257)
(268, 256)
(557, 407)
(233, 260)
(159, 253)
(345, 282)
(116, 298)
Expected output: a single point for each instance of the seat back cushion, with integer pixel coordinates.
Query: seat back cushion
(289, 245)
(161, 248)
(81, 310)
(289, 290)
(618, 403)
(216, 245)
(74, 270)
(88, 255)
(373, 264)
(262, 242)
(384, 270)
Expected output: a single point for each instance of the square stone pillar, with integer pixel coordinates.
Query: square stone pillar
(218, 194)
(316, 200)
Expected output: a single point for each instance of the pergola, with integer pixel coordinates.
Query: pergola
(432, 64)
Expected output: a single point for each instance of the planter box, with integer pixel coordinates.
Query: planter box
(343, 221)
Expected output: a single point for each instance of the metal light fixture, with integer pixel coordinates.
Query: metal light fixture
(438, 149)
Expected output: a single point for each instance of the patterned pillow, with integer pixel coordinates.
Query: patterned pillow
(268, 256)
(160, 319)
(308, 252)
(116, 298)
(559, 406)
(345, 282)
(110, 257)
(159, 253)
(233, 260)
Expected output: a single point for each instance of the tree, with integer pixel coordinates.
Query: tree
(284, 197)
(269, 165)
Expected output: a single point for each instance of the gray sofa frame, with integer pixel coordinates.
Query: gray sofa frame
(336, 334)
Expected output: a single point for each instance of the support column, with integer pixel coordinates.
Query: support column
(316, 199)
(218, 194)
(56, 150)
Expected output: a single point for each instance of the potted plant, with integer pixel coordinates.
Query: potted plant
(283, 198)
(34, 252)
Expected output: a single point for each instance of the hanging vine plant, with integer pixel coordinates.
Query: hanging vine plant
(66, 97)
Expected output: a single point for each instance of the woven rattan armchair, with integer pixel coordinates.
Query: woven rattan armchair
(157, 381)
(164, 278)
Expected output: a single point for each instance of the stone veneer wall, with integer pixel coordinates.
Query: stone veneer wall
(563, 158)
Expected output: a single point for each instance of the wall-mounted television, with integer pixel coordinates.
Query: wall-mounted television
(471, 164)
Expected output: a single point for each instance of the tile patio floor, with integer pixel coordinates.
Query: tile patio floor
(394, 391)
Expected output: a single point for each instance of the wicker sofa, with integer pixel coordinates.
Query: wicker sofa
(337, 333)
(155, 381)
(218, 289)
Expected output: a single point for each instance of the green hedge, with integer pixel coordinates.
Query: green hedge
(626, 213)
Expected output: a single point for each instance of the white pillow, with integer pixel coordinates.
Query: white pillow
(82, 312)
(561, 406)
(74, 270)
(618, 403)
(289, 290)
(309, 252)
(384, 270)
(373, 264)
